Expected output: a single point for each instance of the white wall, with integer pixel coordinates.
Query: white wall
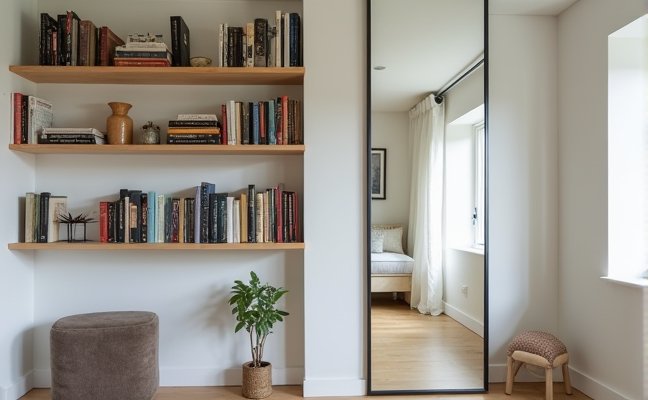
(601, 322)
(188, 290)
(390, 130)
(334, 186)
(17, 27)
(523, 152)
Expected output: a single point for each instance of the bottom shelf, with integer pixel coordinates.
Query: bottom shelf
(155, 246)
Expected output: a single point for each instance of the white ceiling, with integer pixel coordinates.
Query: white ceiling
(424, 44)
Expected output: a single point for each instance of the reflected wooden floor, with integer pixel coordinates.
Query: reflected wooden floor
(521, 391)
(413, 351)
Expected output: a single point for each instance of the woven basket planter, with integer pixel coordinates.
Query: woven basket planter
(257, 382)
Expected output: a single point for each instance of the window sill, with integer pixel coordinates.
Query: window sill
(632, 282)
(472, 250)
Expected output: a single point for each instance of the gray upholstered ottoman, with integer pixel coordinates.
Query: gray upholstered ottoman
(105, 356)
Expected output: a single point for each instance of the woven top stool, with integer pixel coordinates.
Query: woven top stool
(542, 350)
(105, 356)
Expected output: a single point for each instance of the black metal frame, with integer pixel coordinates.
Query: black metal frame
(368, 222)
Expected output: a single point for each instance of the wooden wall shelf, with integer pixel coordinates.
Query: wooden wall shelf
(158, 149)
(97, 246)
(161, 75)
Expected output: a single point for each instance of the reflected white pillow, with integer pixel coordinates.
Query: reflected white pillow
(393, 240)
(377, 239)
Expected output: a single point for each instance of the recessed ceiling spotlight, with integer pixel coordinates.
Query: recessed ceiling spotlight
(380, 67)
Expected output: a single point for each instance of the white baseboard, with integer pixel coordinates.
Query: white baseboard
(586, 384)
(17, 389)
(464, 319)
(334, 387)
(199, 377)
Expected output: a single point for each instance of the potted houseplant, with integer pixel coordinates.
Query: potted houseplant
(253, 304)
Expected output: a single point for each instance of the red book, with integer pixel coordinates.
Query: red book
(17, 117)
(103, 221)
(224, 124)
(107, 43)
(141, 62)
(262, 124)
(279, 208)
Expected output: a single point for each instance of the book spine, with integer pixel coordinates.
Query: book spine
(141, 54)
(159, 219)
(231, 126)
(213, 218)
(272, 138)
(141, 63)
(206, 190)
(112, 234)
(263, 110)
(222, 223)
(226, 48)
(17, 117)
(214, 140)
(249, 44)
(230, 47)
(236, 221)
(57, 140)
(225, 124)
(255, 123)
(30, 213)
(24, 120)
(243, 217)
(42, 53)
(260, 42)
(284, 119)
(175, 40)
(230, 219)
(259, 218)
(151, 199)
(43, 217)
(135, 217)
(84, 43)
(175, 220)
(277, 39)
(266, 216)
(197, 214)
(193, 123)
(181, 220)
(220, 45)
(251, 214)
(103, 221)
(295, 40)
(168, 219)
(143, 218)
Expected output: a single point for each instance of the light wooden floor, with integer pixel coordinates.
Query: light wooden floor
(410, 350)
(521, 391)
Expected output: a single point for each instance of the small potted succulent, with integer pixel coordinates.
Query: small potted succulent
(254, 305)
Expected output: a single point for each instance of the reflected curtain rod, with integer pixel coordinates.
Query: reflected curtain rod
(438, 98)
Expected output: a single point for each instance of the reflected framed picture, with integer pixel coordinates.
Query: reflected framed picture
(378, 172)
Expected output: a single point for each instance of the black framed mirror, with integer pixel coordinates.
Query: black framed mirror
(427, 232)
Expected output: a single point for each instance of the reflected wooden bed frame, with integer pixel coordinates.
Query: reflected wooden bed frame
(392, 283)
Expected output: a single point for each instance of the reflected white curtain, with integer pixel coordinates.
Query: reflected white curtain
(425, 233)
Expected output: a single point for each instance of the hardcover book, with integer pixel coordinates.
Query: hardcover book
(261, 42)
(87, 43)
(108, 41)
(180, 42)
(40, 116)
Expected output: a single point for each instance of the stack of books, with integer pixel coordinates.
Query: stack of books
(71, 136)
(143, 51)
(194, 129)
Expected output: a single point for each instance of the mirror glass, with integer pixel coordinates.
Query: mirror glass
(426, 172)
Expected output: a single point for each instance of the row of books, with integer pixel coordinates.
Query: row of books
(42, 212)
(68, 40)
(194, 129)
(271, 122)
(267, 216)
(30, 115)
(258, 44)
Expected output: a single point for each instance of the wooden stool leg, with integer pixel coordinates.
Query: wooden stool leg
(509, 375)
(566, 380)
(549, 383)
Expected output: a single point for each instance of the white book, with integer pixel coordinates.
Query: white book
(259, 218)
(230, 219)
(57, 207)
(232, 122)
(197, 117)
(68, 131)
(40, 116)
(236, 216)
(220, 45)
(277, 39)
(159, 219)
(225, 45)
(286, 40)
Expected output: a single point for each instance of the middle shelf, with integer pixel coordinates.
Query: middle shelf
(292, 149)
(98, 246)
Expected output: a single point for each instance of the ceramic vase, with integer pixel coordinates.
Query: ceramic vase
(119, 125)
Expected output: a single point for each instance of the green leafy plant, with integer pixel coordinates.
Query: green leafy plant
(254, 307)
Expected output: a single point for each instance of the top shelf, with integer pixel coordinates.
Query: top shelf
(161, 75)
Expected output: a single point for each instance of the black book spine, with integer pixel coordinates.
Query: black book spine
(246, 114)
(251, 214)
(175, 220)
(239, 53)
(221, 210)
(135, 219)
(175, 41)
(144, 218)
(205, 190)
(43, 217)
(42, 48)
(230, 46)
(120, 221)
(207, 140)
(168, 210)
(260, 42)
(111, 222)
(295, 40)
(61, 44)
(189, 230)
(213, 218)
